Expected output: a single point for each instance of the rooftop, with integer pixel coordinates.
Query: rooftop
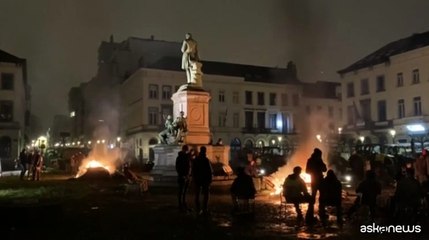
(383, 54)
(7, 57)
(248, 72)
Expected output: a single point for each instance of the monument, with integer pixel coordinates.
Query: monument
(191, 111)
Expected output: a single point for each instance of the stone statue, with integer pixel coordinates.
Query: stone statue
(165, 134)
(174, 130)
(191, 60)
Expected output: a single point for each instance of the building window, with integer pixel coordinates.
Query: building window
(331, 111)
(153, 116)
(365, 106)
(261, 120)
(417, 106)
(380, 84)
(221, 96)
(7, 81)
(401, 108)
(261, 98)
(249, 98)
(273, 97)
(153, 91)
(222, 119)
(248, 119)
(166, 109)
(364, 86)
(295, 100)
(285, 100)
(272, 121)
(399, 80)
(236, 120)
(351, 114)
(350, 90)
(381, 110)
(166, 92)
(235, 98)
(6, 111)
(416, 77)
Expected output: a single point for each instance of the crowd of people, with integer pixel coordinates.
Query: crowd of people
(31, 164)
(408, 200)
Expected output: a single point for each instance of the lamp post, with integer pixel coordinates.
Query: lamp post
(393, 133)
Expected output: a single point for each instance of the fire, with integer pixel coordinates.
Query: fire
(87, 164)
(95, 164)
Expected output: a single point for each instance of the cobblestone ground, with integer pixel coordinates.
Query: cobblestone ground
(106, 213)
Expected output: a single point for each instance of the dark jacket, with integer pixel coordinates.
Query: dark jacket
(330, 191)
(369, 188)
(408, 192)
(315, 166)
(202, 170)
(243, 185)
(294, 189)
(23, 157)
(183, 164)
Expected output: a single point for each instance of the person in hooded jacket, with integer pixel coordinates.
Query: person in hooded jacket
(183, 169)
(315, 167)
(202, 176)
(330, 195)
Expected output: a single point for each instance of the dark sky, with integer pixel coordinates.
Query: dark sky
(59, 38)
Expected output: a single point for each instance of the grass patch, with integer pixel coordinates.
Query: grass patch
(12, 189)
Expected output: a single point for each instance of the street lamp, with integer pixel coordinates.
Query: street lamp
(319, 137)
(392, 133)
(361, 138)
(340, 130)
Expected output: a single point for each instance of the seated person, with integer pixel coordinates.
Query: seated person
(330, 195)
(295, 191)
(242, 187)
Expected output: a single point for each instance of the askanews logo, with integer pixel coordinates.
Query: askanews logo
(375, 228)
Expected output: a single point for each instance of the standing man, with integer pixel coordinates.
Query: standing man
(190, 55)
(23, 162)
(202, 176)
(183, 169)
(315, 167)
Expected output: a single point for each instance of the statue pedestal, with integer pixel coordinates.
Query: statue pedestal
(165, 159)
(194, 102)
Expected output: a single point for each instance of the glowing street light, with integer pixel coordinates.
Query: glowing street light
(393, 133)
(118, 139)
(362, 138)
(340, 130)
(319, 137)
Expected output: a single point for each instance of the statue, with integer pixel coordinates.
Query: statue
(191, 60)
(168, 131)
(174, 130)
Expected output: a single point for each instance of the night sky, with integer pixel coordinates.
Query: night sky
(59, 38)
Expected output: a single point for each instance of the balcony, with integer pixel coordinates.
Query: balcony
(255, 130)
(411, 119)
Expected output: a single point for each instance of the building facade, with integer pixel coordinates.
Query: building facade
(14, 105)
(385, 95)
(250, 106)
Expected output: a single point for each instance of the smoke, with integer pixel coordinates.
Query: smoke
(313, 130)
